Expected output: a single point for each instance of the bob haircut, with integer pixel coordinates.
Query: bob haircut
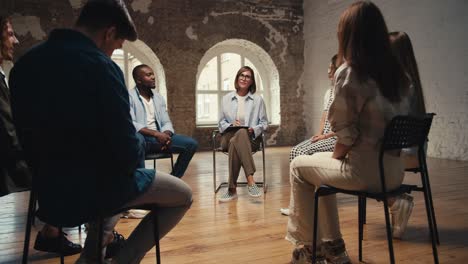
(253, 86)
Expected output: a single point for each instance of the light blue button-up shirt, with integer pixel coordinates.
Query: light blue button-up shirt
(138, 112)
(255, 113)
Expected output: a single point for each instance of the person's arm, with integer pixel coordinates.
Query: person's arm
(133, 112)
(319, 135)
(161, 108)
(262, 120)
(223, 122)
(113, 100)
(10, 144)
(162, 137)
(344, 111)
(340, 151)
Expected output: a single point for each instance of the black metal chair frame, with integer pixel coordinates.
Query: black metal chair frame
(425, 188)
(31, 214)
(160, 155)
(217, 187)
(401, 132)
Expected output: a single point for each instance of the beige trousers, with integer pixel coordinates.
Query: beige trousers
(239, 146)
(358, 172)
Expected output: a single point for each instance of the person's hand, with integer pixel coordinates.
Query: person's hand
(237, 123)
(163, 138)
(168, 132)
(316, 138)
(251, 131)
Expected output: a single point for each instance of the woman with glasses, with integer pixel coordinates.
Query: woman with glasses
(371, 88)
(325, 139)
(242, 121)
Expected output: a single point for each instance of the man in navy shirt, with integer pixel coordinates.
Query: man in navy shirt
(71, 108)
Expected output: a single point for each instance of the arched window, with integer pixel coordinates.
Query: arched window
(216, 77)
(126, 62)
(135, 53)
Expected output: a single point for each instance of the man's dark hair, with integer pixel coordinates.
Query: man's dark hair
(136, 70)
(100, 14)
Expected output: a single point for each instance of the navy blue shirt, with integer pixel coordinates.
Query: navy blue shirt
(71, 109)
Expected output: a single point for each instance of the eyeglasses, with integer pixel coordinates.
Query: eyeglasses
(245, 77)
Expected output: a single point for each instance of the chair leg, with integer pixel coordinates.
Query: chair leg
(156, 237)
(314, 243)
(61, 241)
(29, 222)
(100, 230)
(214, 170)
(389, 232)
(33, 220)
(427, 189)
(361, 219)
(172, 162)
(264, 169)
(430, 216)
(364, 211)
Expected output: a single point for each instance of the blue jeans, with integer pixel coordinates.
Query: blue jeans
(182, 145)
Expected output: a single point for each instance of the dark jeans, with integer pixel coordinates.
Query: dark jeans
(182, 145)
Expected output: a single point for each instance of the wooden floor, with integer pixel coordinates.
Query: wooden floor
(252, 230)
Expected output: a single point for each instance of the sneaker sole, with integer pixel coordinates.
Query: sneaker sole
(227, 200)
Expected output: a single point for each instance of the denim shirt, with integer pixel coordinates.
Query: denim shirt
(138, 112)
(255, 113)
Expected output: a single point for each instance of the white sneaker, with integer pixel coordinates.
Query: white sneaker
(253, 190)
(227, 197)
(401, 212)
(284, 211)
(135, 214)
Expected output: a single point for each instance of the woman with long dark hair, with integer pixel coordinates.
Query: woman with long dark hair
(403, 50)
(370, 89)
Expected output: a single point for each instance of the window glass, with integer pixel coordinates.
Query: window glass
(208, 79)
(230, 64)
(207, 108)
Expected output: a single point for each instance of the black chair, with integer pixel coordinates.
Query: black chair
(160, 155)
(150, 207)
(425, 187)
(32, 214)
(421, 168)
(216, 148)
(99, 221)
(401, 132)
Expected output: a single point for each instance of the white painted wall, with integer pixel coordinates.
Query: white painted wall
(440, 39)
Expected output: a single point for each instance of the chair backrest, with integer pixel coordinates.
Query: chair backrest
(406, 132)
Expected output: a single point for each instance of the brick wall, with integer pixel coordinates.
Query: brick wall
(180, 32)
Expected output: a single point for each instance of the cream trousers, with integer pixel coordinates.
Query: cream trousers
(358, 172)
